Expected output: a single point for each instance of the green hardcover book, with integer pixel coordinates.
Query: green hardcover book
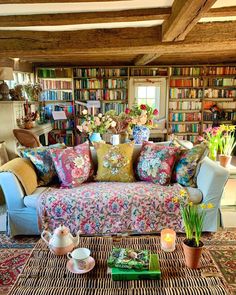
(154, 272)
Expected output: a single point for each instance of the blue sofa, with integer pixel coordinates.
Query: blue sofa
(22, 209)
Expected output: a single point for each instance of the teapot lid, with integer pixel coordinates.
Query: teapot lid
(62, 230)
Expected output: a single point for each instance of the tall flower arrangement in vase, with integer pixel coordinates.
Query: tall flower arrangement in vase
(141, 121)
(211, 136)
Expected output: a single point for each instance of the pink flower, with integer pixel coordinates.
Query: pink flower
(200, 138)
(143, 107)
(155, 112)
(127, 111)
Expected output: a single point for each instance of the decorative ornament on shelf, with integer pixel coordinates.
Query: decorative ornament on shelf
(6, 73)
(32, 91)
(193, 218)
(141, 121)
(227, 144)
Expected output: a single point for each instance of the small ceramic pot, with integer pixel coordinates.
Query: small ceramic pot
(192, 255)
(224, 160)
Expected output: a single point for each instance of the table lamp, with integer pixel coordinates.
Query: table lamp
(6, 73)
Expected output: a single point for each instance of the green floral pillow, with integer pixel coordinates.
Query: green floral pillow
(42, 161)
(186, 166)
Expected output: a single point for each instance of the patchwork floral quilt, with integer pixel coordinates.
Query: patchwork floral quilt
(111, 207)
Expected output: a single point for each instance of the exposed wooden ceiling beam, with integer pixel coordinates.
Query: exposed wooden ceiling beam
(205, 36)
(85, 17)
(146, 59)
(185, 14)
(221, 11)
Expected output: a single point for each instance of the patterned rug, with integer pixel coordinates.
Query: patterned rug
(14, 252)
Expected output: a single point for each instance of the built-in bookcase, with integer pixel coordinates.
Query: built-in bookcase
(57, 84)
(193, 91)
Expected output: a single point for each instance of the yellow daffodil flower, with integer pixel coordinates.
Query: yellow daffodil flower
(210, 206)
(203, 206)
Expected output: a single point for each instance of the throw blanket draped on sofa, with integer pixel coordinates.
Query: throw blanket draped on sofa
(111, 207)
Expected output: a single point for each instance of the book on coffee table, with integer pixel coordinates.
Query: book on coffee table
(153, 273)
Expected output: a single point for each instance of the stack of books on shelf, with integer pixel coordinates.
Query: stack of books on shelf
(55, 84)
(118, 107)
(63, 124)
(219, 93)
(54, 73)
(130, 264)
(185, 105)
(222, 82)
(100, 72)
(192, 82)
(56, 95)
(226, 70)
(182, 128)
(176, 93)
(149, 71)
(182, 117)
(187, 71)
(100, 83)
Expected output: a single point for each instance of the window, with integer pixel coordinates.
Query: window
(148, 95)
(151, 92)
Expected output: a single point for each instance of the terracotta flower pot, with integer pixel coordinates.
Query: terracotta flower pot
(224, 160)
(192, 255)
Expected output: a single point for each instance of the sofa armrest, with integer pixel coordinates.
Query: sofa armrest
(211, 181)
(12, 191)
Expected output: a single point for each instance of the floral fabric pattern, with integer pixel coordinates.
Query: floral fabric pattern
(73, 164)
(155, 163)
(42, 160)
(186, 166)
(115, 162)
(105, 207)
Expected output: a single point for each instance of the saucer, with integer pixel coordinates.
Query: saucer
(91, 265)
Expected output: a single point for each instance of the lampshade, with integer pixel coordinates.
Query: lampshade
(6, 73)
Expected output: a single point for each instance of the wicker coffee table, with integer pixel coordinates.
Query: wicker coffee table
(45, 273)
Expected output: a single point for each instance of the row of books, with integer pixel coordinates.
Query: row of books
(149, 72)
(219, 93)
(54, 84)
(54, 73)
(65, 124)
(100, 72)
(68, 109)
(185, 93)
(100, 94)
(192, 138)
(222, 82)
(191, 127)
(100, 83)
(225, 116)
(56, 95)
(192, 82)
(196, 71)
(185, 105)
(221, 105)
(187, 71)
(118, 107)
(184, 117)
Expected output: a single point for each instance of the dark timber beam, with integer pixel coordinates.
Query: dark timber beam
(185, 15)
(146, 59)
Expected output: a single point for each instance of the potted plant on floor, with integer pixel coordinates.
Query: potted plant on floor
(227, 144)
(193, 218)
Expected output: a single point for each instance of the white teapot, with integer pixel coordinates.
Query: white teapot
(62, 241)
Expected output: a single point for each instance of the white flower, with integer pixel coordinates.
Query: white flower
(100, 115)
(79, 162)
(113, 124)
(84, 112)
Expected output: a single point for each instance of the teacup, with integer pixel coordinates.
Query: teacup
(80, 258)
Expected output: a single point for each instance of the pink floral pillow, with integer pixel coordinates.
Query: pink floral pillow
(155, 163)
(73, 164)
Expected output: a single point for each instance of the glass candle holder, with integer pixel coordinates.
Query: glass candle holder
(168, 237)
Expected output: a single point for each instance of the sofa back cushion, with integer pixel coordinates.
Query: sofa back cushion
(73, 164)
(41, 158)
(115, 162)
(155, 163)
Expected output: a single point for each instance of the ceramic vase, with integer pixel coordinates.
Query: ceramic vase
(224, 160)
(140, 134)
(192, 255)
(95, 137)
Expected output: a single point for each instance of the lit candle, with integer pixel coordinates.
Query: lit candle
(168, 237)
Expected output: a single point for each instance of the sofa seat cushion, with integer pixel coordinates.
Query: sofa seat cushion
(30, 201)
(111, 207)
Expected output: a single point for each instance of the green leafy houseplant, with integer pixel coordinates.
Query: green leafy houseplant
(32, 91)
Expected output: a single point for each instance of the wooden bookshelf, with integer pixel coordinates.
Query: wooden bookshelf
(57, 84)
(205, 85)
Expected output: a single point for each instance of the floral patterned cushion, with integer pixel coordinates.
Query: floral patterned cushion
(186, 166)
(115, 162)
(155, 163)
(73, 164)
(42, 161)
